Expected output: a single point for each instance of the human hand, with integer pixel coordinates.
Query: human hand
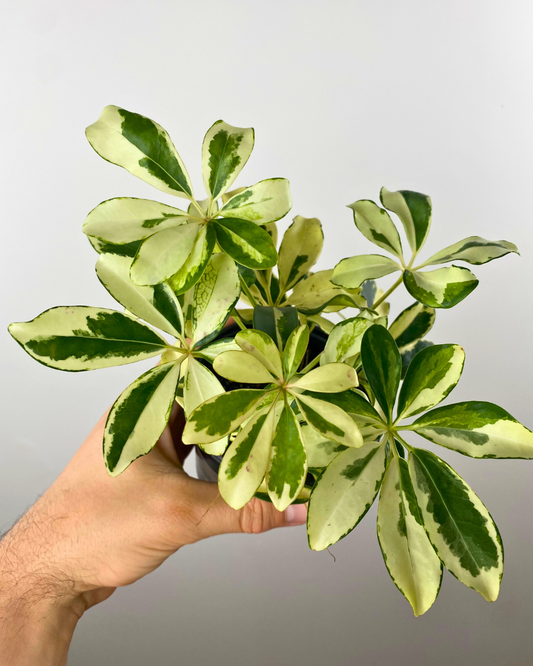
(90, 533)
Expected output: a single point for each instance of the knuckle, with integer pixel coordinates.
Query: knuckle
(254, 517)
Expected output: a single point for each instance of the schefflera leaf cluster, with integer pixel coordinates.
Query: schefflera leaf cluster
(428, 516)
(270, 445)
(79, 338)
(169, 243)
(329, 427)
(440, 288)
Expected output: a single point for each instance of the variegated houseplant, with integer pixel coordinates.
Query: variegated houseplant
(327, 427)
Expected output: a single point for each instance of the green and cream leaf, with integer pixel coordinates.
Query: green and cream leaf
(344, 493)
(81, 338)
(376, 225)
(458, 524)
(409, 556)
(476, 429)
(240, 367)
(329, 420)
(247, 243)
(352, 272)
(414, 211)
(474, 250)
(300, 248)
(141, 146)
(191, 271)
(344, 341)
(262, 347)
(329, 378)
(139, 416)
(412, 324)
(442, 288)
(263, 203)
(294, 351)
(431, 375)
(382, 365)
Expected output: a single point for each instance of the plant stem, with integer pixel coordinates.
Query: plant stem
(388, 292)
(262, 281)
(247, 291)
(238, 319)
(312, 364)
(197, 206)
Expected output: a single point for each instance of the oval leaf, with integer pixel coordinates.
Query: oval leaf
(344, 493)
(192, 270)
(474, 250)
(476, 429)
(82, 338)
(375, 224)
(245, 463)
(458, 524)
(329, 420)
(329, 378)
(300, 248)
(139, 416)
(215, 296)
(246, 243)
(141, 146)
(409, 556)
(265, 202)
(262, 347)
(287, 469)
(413, 323)
(382, 365)
(163, 254)
(352, 272)
(414, 211)
(220, 416)
(124, 220)
(157, 305)
(317, 292)
(344, 341)
(431, 375)
(225, 151)
(240, 367)
(442, 288)
(294, 351)
(320, 450)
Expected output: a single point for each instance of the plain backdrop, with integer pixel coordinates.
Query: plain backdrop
(345, 96)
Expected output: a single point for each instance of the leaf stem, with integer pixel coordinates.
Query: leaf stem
(197, 206)
(247, 291)
(311, 365)
(388, 292)
(238, 319)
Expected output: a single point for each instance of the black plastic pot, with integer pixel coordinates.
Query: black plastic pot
(206, 464)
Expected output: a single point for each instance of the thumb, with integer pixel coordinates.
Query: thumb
(217, 517)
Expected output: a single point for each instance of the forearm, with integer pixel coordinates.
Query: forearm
(38, 609)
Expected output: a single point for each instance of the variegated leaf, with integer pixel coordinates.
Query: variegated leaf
(329, 378)
(431, 375)
(344, 493)
(278, 323)
(414, 211)
(125, 219)
(413, 323)
(317, 292)
(324, 324)
(287, 468)
(376, 225)
(199, 385)
(215, 296)
(409, 556)
(410, 351)
(294, 351)
(221, 415)
(476, 429)
(344, 341)
(265, 202)
(352, 272)
(382, 366)
(213, 349)
(442, 288)
(225, 151)
(139, 416)
(474, 250)
(141, 146)
(300, 248)
(163, 254)
(246, 242)
(193, 268)
(354, 403)
(320, 450)
(157, 305)
(245, 463)
(458, 524)
(83, 338)
(329, 420)
(240, 367)
(262, 347)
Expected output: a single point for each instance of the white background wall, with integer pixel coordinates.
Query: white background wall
(345, 97)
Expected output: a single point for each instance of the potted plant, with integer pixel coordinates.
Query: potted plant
(288, 405)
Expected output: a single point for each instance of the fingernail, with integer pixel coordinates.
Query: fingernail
(296, 514)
